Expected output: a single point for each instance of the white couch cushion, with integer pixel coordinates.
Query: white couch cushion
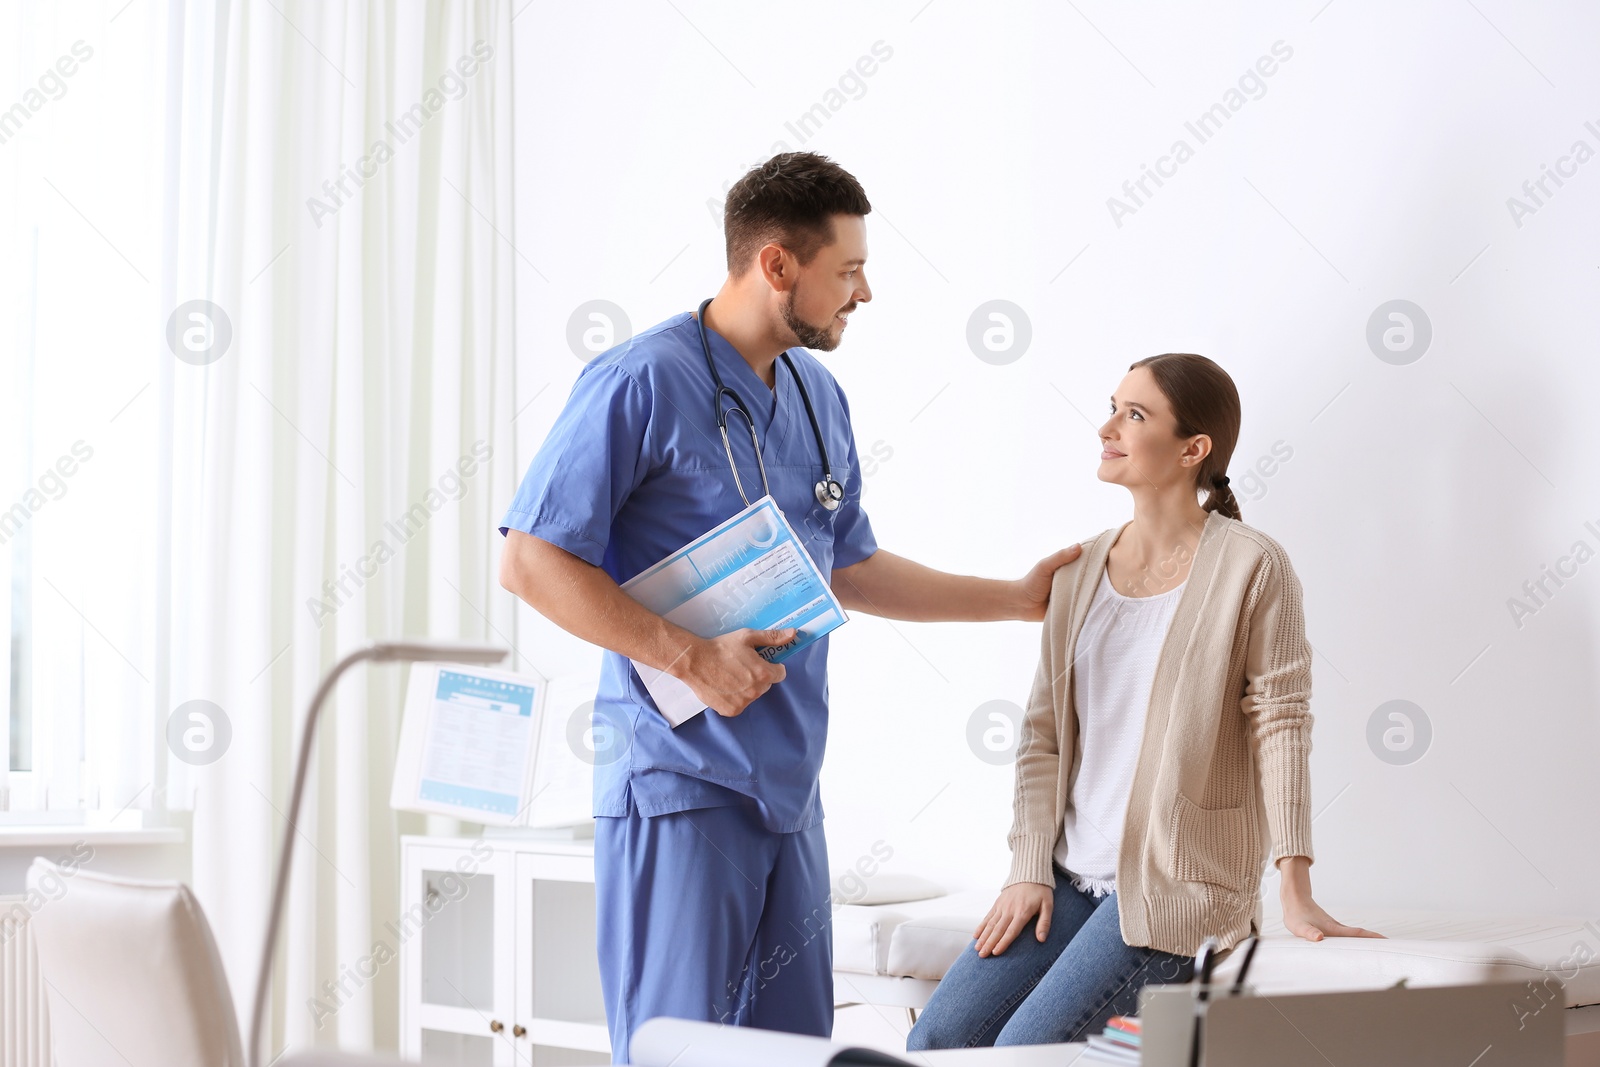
(1427, 948)
(884, 887)
(865, 937)
(861, 937)
(925, 948)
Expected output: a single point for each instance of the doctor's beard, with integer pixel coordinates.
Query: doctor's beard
(809, 336)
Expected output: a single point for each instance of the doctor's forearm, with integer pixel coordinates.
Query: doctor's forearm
(583, 600)
(894, 587)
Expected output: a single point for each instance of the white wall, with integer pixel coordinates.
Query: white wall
(1376, 165)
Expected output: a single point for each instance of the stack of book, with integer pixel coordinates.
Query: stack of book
(1119, 1043)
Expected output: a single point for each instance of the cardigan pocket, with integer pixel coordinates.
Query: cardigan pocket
(1210, 845)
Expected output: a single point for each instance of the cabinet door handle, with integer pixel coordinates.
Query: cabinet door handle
(519, 1030)
(496, 1025)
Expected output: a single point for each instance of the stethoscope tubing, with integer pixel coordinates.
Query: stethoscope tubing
(829, 492)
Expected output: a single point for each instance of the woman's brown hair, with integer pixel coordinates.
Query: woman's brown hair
(1203, 400)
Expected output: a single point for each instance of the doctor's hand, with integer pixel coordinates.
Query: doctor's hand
(1018, 903)
(1033, 589)
(728, 673)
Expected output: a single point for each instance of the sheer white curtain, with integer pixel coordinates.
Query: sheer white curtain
(274, 296)
(340, 192)
(81, 124)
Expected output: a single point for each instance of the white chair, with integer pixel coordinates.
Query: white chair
(132, 976)
(132, 970)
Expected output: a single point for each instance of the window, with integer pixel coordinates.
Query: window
(82, 137)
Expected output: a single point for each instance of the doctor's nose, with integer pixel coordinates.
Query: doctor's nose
(863, 292)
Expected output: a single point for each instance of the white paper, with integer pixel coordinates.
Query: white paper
(672, 695)
(667, 1042)
(479, 743)
(492, 746)
(563, 783)
(751, 572)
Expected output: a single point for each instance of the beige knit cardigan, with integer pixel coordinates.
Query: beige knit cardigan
(1224, 758)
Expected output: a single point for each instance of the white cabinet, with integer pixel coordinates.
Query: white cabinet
(497, 953)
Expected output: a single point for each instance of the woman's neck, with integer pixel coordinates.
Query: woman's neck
(1160, 527)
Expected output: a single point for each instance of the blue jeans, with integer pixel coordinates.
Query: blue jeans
(1064, 988)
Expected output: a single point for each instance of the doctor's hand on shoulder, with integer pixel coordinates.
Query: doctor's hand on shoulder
(1017, 903)
(728, 672)
(1035, 585)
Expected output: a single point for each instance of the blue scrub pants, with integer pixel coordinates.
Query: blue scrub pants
(705, 914)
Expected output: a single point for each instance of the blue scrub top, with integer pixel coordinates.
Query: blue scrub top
(632, 470)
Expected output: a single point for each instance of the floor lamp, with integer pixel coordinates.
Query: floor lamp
(378, 652)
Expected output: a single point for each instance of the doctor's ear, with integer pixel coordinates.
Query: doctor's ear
(778, 266)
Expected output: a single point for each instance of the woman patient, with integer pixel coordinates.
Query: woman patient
(1166, 739)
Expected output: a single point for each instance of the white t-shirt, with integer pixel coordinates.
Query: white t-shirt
(1115, 665)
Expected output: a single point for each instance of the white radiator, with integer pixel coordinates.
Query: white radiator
(24, 1032)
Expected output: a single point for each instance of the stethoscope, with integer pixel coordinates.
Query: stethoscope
(829, 493)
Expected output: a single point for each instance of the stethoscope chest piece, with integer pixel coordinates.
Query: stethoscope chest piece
(830, 494)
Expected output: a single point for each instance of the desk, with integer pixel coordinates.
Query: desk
(1011, 1056)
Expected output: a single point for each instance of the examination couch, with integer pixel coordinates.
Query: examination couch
(892, 947)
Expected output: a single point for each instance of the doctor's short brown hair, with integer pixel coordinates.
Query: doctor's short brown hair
(788, 200)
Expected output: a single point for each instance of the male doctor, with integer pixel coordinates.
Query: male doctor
(711, 871)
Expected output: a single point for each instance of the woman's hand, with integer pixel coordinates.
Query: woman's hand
(1301, 915)
(1017, 904)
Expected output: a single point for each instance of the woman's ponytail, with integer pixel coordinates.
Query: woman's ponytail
(1221, 498)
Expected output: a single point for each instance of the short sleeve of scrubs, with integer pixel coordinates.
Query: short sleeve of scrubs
(596, 454)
